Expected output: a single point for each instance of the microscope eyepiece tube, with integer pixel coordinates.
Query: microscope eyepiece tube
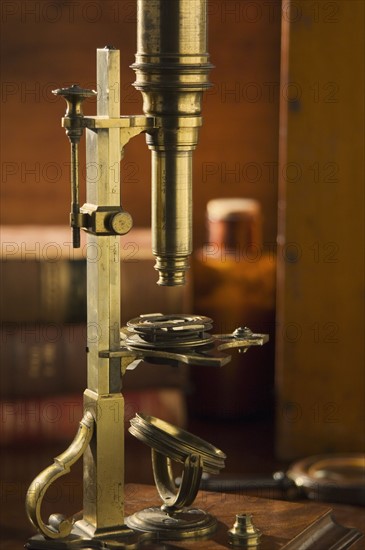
(171, 214)
(172, 69)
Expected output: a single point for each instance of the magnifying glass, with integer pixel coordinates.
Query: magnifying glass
(331, 478)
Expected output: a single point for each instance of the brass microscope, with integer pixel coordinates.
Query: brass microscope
(172, 68)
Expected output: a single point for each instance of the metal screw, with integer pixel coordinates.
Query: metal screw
(242, 332)
(244, 533)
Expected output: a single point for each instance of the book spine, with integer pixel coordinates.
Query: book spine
(42, 359)
(41, 291)
(45, 359)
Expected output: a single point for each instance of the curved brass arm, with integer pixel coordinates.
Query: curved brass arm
(59, 526)
(164, 480)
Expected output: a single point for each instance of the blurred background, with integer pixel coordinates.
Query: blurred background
(284, 128)
(52, 45)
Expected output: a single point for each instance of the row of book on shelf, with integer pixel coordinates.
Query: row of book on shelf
(43, 331)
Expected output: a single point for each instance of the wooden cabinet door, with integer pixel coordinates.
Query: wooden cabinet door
(320, 322)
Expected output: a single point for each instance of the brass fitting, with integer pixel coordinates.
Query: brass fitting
(244, 533)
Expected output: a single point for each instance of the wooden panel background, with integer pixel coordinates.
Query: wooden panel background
(320, 328)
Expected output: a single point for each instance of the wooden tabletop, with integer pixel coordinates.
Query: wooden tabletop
(279, 522)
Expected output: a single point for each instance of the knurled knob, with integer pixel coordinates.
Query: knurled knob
(120, 223)
(74, 97)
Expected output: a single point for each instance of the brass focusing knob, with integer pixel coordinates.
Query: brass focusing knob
(73, 124)
(120, 223)
(74, 97)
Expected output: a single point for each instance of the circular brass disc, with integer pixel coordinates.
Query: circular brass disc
(177, 321)
(157, 331)
(189, 523)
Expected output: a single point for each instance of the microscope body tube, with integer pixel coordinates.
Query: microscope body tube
(172, 69)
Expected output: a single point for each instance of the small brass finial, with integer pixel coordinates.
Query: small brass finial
(244, 533)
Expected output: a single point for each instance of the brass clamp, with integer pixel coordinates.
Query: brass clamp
(102, 220)
(99, 220)
(105, 220)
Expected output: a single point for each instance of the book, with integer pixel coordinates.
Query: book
(43, 324)
(43, 279)
(45, 359)
(42, 359)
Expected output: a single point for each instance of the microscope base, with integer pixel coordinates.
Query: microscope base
(76, 541)
(147, 525)
(190, 523)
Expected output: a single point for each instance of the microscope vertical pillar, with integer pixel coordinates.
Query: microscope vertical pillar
(104, 458)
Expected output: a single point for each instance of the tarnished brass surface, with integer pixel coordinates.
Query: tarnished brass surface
(164, 479)
(172, 73)
(188, 525)
(74, 97)
(175, 442)
(105, 220)
(104, 458)
(174, 520)
(58, 526)
(180, 339)
(343, 469)
(103, 514)
(99, 220)
(243, 533)
(172, 331)
(172, 69)
(332, 477)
